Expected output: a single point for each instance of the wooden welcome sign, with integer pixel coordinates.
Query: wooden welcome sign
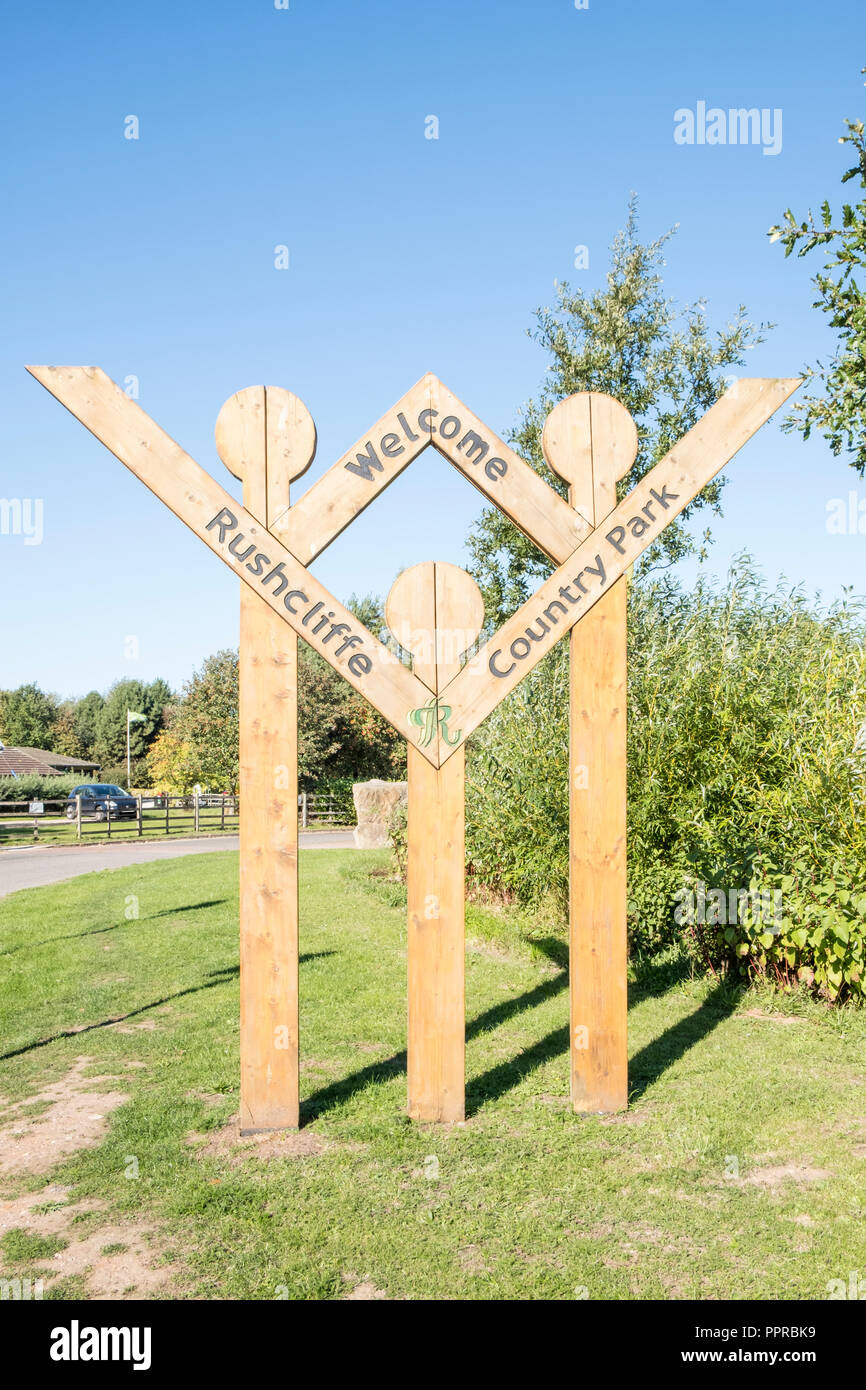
(266, 437)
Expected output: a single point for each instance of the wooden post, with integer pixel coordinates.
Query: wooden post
(265, 436)
(78, 817)
(590, 440)
(435, 611)
(138, 815)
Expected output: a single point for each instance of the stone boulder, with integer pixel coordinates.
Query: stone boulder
(374, 802)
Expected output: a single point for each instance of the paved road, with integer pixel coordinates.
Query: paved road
(31, 868)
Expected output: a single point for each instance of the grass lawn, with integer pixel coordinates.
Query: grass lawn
(740, 1170)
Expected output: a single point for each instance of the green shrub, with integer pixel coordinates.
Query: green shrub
(37, 788)
(517, 790)
(747, 749)
(398, 832)
(340, 788)
(817, 940)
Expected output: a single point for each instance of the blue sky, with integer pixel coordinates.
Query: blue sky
(305, 127)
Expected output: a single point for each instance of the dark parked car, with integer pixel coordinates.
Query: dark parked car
(100, 798)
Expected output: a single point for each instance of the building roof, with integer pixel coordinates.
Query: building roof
(39, 762)
(59, 760)
(15, 760)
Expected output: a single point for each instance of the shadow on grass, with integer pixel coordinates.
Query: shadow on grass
(215, 977)
(652, 1061)
(115, 926)
(654, 976)
(179, 911)
(49, 941)
(338, 1092)
(654, 979)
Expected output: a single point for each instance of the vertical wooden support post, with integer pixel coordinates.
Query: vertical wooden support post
(590, 440)
(266, 437)
(436, 611)
(436, 944)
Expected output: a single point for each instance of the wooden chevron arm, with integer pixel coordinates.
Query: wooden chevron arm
(241, 542)
(431, 414)
(504, 477)
(571, 591)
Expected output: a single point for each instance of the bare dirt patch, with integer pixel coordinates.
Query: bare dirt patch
(601, 1230)
(131, 1271)
(780, 1173)
(226, 1143)
(127, 1273)
(74, 1117)
(471, 1260)
(491, 950)
(317, 1064)
(364, 1292)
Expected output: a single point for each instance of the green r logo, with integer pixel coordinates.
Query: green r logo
(427, 717)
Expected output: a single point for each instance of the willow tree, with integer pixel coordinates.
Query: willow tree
(629, 340)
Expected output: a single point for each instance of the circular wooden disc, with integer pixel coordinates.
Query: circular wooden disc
(266, 423)
(435, 611)
(591, 441)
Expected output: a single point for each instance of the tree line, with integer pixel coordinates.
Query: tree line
(92, 728)
(190, 737)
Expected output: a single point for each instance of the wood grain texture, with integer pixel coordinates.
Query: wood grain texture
(435, 611)
(410, 612)
(265, 437)
(271, 422)
(197, 499)
(411, 426)
(436, 939)
(591, 441)
(677, 478)
(459, 619)
(268, 869)
(597, 857)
